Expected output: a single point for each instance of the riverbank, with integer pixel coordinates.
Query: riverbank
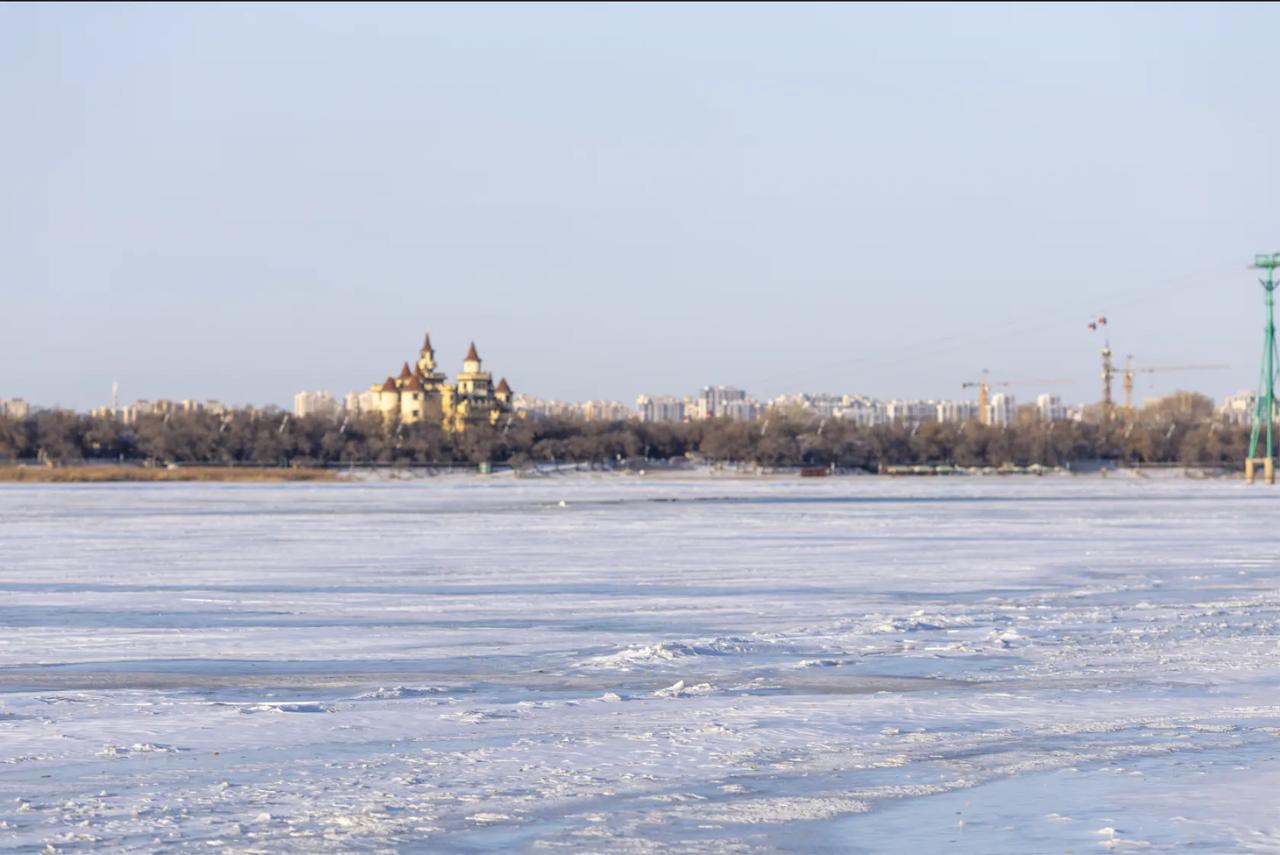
(108, 473)
(105, 474)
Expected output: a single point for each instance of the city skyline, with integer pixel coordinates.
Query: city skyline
(1030, 390)
(1145, 387)
(1003, 407)
(615, 201)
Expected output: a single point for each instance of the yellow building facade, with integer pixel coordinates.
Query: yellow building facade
(423, 393)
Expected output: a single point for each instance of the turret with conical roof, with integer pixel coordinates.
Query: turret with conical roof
(412, 401)
(388, 397)
(427, 360)
(472, 382)
(471, 362)
(431, 379)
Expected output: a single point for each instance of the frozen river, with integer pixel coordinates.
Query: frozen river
(619, 664)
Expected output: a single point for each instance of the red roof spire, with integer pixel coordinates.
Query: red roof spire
(405, 373)
(471, 354)
(426, 344)
(503, 387)
(413, 385)
(389, 386)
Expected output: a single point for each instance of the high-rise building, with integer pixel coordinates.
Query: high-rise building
(538, 408)
(1003, 409)
(713, 401)
(861, 411)
(957, 412)
(15, 408)
(1051, 408)
(359, 403)
(1238, 409)
(823, 406)
(660, 408)
(144, 407)
(605, 411)
(314, 404)
(910, 412)
(741, 411)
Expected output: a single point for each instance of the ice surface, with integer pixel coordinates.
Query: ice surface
(624, 664)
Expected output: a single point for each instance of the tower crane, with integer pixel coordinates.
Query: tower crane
(984, 391)
(1108, 369)
(1130, 371)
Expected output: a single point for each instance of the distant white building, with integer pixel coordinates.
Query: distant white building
(1238, 409)
(144, 407)
(910, 412)
(660, 408)
(862, 411)
(315, 404)
(358, 403)
(1002, 409)
(15, 408)
(605, 411)
(714, 401)
(538, 408)
(741, 411)
(821, 405)
(1051, 408)
(956, 412)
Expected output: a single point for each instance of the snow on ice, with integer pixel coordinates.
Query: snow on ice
(627, 664)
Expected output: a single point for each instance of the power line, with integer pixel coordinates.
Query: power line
(1021, 322)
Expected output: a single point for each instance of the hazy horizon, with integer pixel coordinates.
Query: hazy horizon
(241, 203)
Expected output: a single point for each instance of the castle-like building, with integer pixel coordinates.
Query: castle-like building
(423, 392)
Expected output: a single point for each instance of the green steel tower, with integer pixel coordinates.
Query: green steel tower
(1264, 411)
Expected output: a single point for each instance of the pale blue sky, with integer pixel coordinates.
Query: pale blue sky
(239, 203)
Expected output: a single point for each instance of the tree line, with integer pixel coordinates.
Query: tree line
(1178, 429)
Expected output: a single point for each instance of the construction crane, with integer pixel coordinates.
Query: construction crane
(984, 391)
(1108, 369)
(1130, 371)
